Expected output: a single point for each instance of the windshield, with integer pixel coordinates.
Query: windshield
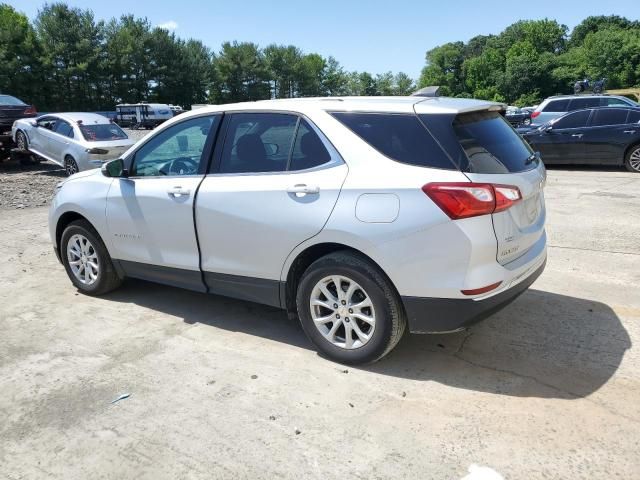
(9, 100)
(102, 132)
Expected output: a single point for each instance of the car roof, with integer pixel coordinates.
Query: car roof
(583, 95)
(361, 104)
(85, 118)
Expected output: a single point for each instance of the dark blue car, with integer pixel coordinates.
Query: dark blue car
(596, 136)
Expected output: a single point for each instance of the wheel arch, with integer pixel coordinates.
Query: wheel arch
(309, 255)
(64, 221)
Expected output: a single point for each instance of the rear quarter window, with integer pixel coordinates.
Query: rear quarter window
(557, 106)
(401, 137)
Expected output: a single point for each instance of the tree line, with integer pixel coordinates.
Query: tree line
(67, 60)
(533, 59)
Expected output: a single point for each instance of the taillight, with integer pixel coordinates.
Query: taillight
(464, 200)
(97, 151)
(30, 110)
(534, 114)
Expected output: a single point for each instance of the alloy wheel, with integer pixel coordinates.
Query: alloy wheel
(83, 259)
(634, 159)
(342, 312)
(71, 166)
(21, 142)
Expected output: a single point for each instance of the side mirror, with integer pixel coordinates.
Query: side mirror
(115, 169)
(271, 148)
(547, 128)
(33, 123)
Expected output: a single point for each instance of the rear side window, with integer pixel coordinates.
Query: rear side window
(580, 103)
(63, 128)
(491, 145)
(573, 120)
(634, 116)
(557, 106)
(401, 137)
(608, 116)
(614, 101)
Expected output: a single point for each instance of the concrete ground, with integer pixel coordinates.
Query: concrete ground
(547, 388)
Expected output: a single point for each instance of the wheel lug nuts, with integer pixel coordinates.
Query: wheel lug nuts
(346, 319)
(351, 310)
(337, 315)
(335, 305)
(343, 302)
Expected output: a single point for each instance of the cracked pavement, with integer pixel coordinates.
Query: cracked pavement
(546, 388)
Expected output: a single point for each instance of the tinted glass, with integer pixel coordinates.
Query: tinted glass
(608, 116)
(102, 132)
(491, 145)
(400, 137)
(580, 103)
(614, 101)
(308, 150)
(63, 128)
(47, 122)
(175, 151)
(634, 116)
(9, 100)
(573, 120)
(258, 142)
(557, 106)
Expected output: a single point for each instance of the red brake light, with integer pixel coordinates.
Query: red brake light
(534, 114)
(31, 110)
(464, 200)
(478, 291)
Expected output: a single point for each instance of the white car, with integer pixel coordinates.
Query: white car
(362, 216)
(75, 141)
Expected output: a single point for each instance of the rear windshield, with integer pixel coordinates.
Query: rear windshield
(102, 132)
(491, 145)
(401, 137)
(9, 100)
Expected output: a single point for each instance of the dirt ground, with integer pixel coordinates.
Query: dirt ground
(547, 388)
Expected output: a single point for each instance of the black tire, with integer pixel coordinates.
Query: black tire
(70, 165)
(390, 317)
(107, 278)
(632, 163)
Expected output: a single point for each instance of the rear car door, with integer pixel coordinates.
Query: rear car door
(274, 184)
(607, 136)
(150, 213)
(496, 154)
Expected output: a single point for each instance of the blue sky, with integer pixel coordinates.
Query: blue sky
(372, 35)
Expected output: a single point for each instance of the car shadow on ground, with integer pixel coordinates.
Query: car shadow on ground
(543, 345)
(46, 168)
(587, 168)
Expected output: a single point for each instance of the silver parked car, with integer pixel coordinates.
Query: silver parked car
(362, 216)
(557, 106)
(75, 141)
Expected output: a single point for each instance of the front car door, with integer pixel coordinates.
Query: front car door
(273, 185)
(150, 213)
(564, 143)
(39, 136)
(59, 140)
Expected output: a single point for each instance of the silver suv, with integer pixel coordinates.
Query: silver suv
(362, 216)
(555, 107)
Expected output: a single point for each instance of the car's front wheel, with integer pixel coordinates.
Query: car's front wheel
(632, 160)
(87, 260)
(349, 309)
(21, 141)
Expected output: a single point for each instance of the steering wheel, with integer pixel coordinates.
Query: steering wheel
(180, 166)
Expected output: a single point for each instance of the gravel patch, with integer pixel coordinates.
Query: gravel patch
(24, 186)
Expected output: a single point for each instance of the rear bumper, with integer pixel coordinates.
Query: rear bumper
(440, 315)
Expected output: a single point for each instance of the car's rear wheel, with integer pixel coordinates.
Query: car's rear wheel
(21, 141)
(70, 165)
(632, 160)
(87, 260)
(349, 309)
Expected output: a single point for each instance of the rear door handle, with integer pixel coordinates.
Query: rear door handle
(179, 192)
(578, 135)
(301, 189)
(630, 131)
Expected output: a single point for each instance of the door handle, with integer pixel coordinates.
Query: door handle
(630, 131)
(301, 190)
(578, 135)
(179, 192)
